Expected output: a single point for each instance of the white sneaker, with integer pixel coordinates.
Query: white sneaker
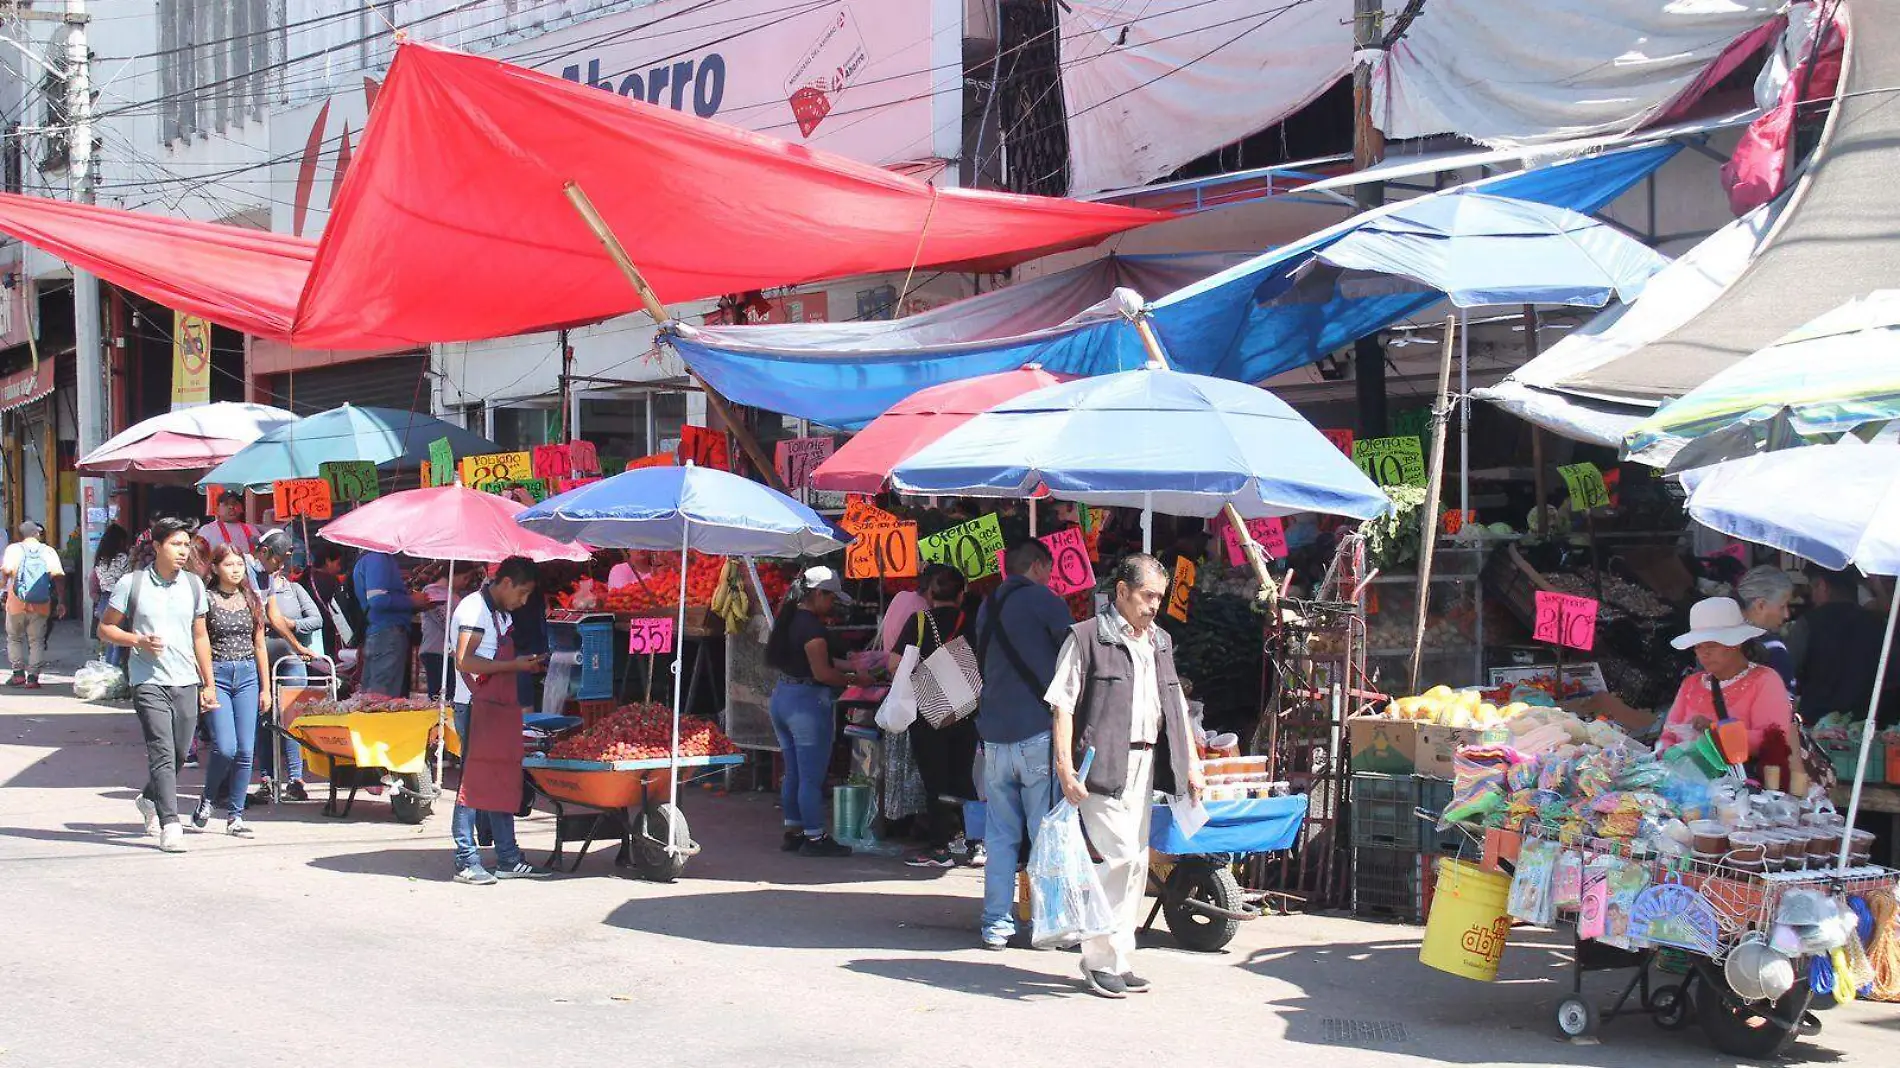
(171, 838)
(149, 813)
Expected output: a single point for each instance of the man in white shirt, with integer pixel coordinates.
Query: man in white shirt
(229, 527)
(1116, 692)
(31, 574)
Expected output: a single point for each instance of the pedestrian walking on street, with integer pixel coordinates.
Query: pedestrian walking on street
(1116, 692)
(31, 572)
(240, 673)
(488, 719)
(1019, 630)
(158, 612)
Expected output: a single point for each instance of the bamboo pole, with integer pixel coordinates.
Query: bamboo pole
(618, 253)
(1434, 486)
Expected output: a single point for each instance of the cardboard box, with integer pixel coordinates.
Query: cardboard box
(1402, 747)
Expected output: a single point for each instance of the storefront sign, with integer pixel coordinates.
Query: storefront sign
(497, 467)
(1182, 589)
(883, 552)
(704, 448)
(350, 480)
(440, 470)
(1587, 489)
(1396, 461)
(797, 458)
(1563, 619)
(26, 386)
(191, 361)
(969, 547)
(1269, 532)
(307, 497)
(650, 635)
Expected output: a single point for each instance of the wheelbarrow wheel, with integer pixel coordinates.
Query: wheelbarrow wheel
(415, 800)
(1750, 1030)
(1212, 884)
(662, 824)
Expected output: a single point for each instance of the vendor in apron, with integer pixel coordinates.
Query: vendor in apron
(488, 717)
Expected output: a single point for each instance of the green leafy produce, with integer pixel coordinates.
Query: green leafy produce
(1392, 540)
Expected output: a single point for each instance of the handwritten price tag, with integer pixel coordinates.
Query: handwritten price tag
(308, 497)
(1587, 489)
(1183, 588)
(647, 635)
(441, 468)
(883, 552)
(1397, 461)
(350, 480)
(1269, 532)
(797, 458)
(704, 448)
(861, 515)
(1073, 572)
(1563, 619)
(969, 547)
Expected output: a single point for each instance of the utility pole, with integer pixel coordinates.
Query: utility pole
(88, 346)
(1368, 148)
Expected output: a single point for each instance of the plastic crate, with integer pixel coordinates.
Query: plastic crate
(1434, 795)
(1390, 884)
(1384, 812)
(597, 660)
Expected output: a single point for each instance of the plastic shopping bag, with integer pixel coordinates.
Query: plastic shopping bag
(1067, 901)
(899, 709)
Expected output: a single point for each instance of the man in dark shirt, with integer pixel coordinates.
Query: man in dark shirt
(1839, 648)
(1019, 631)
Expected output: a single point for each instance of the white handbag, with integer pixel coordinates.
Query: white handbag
(899, 709)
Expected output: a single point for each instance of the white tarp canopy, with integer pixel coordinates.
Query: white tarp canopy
(1550, 70)
(1152, 84)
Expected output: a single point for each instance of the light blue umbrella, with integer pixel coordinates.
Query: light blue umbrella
(1837, 505)
(1480, 249)
(679, 509)
(382, 436)
(1155, 439)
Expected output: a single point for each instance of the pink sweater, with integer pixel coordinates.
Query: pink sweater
(1757, 697)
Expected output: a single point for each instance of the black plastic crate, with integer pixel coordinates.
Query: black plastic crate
(1390, 884)
(1384, 812)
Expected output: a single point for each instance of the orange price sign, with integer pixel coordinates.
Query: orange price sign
(308, 497)
(883, 552)
(1183, 588)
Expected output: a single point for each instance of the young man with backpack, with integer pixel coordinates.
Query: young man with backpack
(32, 574)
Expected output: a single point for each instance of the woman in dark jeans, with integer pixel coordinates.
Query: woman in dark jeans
(946, 758)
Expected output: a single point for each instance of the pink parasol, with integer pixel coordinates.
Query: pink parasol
(865, 462)
(447, 523)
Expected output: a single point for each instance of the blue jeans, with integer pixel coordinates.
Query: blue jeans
(467, 822)
(802, 719)
(1016, 781)
(233, 733)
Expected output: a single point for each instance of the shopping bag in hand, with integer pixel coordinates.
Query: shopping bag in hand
(1066, 898)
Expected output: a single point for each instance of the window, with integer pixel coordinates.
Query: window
(214, 63)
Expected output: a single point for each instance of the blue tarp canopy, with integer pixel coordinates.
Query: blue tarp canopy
(1248, 322)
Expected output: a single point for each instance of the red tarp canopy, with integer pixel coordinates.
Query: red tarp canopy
(452, 225)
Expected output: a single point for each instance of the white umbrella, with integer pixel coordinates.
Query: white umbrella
(1833, 504)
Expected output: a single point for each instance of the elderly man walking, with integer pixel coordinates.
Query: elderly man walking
(1116, 692)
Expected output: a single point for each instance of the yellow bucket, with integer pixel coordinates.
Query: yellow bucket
(1466, 931)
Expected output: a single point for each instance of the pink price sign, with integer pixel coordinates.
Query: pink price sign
(647, 635)
(1270, 533)
(1566, 620)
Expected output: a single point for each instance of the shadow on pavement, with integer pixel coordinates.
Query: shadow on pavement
(971, 977)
